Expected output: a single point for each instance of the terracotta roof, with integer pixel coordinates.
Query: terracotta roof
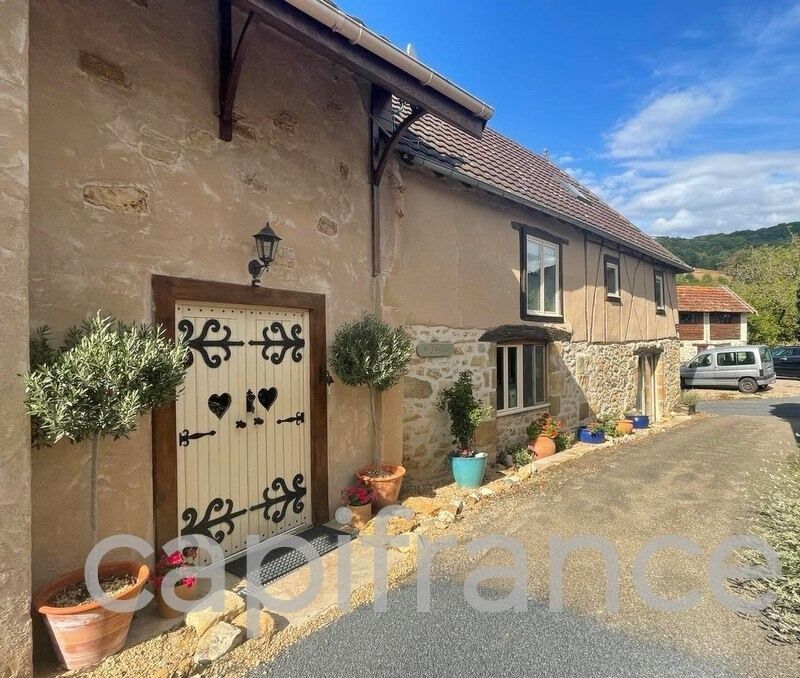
(694, 298)
(525, 177)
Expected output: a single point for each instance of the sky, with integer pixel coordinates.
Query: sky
(685, 116)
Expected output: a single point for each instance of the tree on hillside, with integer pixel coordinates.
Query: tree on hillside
(768, 277)
(711, 251)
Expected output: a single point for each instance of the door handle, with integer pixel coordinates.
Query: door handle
(241, 424)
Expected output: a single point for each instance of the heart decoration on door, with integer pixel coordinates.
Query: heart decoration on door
(267, 397)
(219, 403)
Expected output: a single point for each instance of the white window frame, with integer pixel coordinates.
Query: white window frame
(520, 381)
(541, 244)
(613, 265)
(659, 275)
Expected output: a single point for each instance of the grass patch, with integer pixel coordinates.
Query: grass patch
(778, 522)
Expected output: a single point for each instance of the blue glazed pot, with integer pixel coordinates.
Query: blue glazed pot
(587, 436)
(468, 471)
(639, 420)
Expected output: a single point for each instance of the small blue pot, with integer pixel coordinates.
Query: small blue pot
(587, 436)
(468, 471)
(639, 420)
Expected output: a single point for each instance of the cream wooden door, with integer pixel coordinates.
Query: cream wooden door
(244, 454)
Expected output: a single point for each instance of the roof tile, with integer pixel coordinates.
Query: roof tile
(506, 165)
(695, 298)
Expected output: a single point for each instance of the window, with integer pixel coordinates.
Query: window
(703, 360)
(659, 290)
(612, 277)
(521, 377)
(542, 277)
(731, 358)
(690, 318)
(724, 318)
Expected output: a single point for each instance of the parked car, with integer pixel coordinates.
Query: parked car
(787, 361)
(747, 368)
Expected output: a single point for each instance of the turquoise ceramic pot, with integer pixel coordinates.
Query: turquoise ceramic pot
(468, 471)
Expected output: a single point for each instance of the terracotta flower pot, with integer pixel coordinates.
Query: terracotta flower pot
(85, 634)
(361, 516)
(387, 488)
(165, 611)
(624, 426)
(543, 446)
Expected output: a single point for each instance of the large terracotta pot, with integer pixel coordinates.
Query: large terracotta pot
(360, 516)
(543, 446)
(387, 488)
(85, 634)
(167, 612)
(624, 426)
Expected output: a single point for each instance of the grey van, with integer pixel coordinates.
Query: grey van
(747, 368)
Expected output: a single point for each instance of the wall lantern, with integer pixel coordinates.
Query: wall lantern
(266, 248)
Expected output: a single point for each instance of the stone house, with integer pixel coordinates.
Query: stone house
(710, 317)
(145, 141)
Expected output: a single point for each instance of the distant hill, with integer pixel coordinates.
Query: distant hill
(711, 251)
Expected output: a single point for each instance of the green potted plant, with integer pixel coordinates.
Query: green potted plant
(466, 414)
(369, 352)
(689, 400)
(614, 426)
(96, 386)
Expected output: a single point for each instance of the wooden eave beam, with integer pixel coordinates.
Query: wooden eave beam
(303, 29)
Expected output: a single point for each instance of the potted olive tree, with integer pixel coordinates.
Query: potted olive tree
(96, 386)
(466, 414)
(369, 352)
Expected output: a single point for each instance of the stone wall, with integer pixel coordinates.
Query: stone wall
(427, 440)
(584, 379)
(15, 474)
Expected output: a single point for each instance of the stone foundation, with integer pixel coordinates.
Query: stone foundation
(584, 379)
(426, 431)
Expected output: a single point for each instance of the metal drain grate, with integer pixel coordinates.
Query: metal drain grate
(283, 560)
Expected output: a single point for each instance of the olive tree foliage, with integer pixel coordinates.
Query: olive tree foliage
(99, 383)
(768, 278)
(371, 353)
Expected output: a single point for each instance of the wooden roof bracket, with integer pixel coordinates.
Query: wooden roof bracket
(230, 65)
(383, 144)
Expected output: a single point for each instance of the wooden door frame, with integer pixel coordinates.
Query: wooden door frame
(167, 291)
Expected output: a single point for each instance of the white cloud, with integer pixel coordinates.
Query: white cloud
(709, 193)
(663, 121)
(775, 29)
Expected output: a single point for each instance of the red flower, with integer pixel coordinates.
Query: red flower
(358, 495)
(188, 582)
(175, 559)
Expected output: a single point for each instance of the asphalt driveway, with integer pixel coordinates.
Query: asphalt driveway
(694, 481)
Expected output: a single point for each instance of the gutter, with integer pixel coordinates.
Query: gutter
(530, 204)
(360, 35)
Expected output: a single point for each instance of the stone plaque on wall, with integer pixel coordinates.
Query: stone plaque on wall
(435, 349)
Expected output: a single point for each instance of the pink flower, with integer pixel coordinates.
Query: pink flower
(188, 582)
(175, 559)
